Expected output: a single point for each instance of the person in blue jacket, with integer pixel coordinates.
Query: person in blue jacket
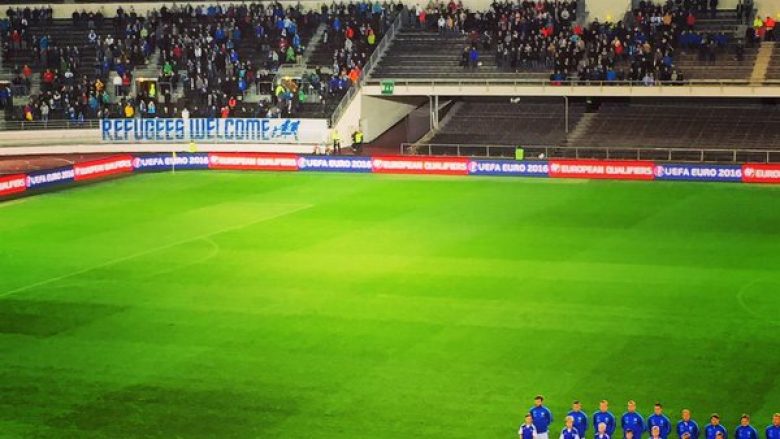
(632, 421)
(745, 430)
(542, 417)
(773, 431)
(659, 419)
(580, 418)
(688, 425)
(605, 416)
(712, 430)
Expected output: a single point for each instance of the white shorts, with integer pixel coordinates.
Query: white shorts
(544, 435)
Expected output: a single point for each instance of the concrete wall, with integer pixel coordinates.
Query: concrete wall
(381, 113)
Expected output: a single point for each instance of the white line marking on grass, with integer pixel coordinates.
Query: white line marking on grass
(215, 250)
(150, 251)
(748, 309)
(13, 202)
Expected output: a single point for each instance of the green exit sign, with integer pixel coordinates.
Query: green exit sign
(388, 87)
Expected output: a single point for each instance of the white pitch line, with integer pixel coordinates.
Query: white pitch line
(12, 202)
(149, 251)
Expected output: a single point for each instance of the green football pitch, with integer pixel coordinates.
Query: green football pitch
(269, 305)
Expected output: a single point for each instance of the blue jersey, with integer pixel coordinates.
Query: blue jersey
(711, 430)
(542, 418)
(527, 431)
(581, 422)
(773, 432)
(662, 422)
(605, 417)
(745, 432)
(690, 427)
(632, 421)
(570, 434)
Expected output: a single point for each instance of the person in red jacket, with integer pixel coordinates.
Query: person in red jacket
(690, 20)
(769, 24)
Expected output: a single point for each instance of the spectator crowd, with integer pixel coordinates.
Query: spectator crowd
(544, 35)
(216, 55)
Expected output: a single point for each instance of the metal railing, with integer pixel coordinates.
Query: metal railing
(531, 82)
(52, 124)
(538, 152)
(381, 48)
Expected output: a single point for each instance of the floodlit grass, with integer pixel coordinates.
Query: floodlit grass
(264, 305)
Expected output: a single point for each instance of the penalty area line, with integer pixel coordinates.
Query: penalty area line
(151, 250)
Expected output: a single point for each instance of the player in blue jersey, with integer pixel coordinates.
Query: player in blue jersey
(605, 416)
(688, 425)
(712, 430)
(655, 432)
(542, 417)
(580, 418)
(570, 431)
(773, 431)
(659, 419)
(527, 429)
(632, 421)
(745, 430)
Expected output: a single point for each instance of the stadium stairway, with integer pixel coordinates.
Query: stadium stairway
(773, 69)
(321, 54)
(579, 131)
(763, 59)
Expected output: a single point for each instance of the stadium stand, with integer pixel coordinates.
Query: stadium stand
(214, 61)
(712, 124)
(668, 42)
(488, 122)
(680, 124)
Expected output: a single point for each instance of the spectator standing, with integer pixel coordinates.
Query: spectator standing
(117, 81)
(44, 112)
(769, 24)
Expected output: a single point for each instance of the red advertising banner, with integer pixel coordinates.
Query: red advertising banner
(760, 173)
(420, 165)
(253, 161)
(610, 169)
(100, 168)
(12, 184)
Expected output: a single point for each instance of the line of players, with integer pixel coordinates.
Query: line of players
(538, 419)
